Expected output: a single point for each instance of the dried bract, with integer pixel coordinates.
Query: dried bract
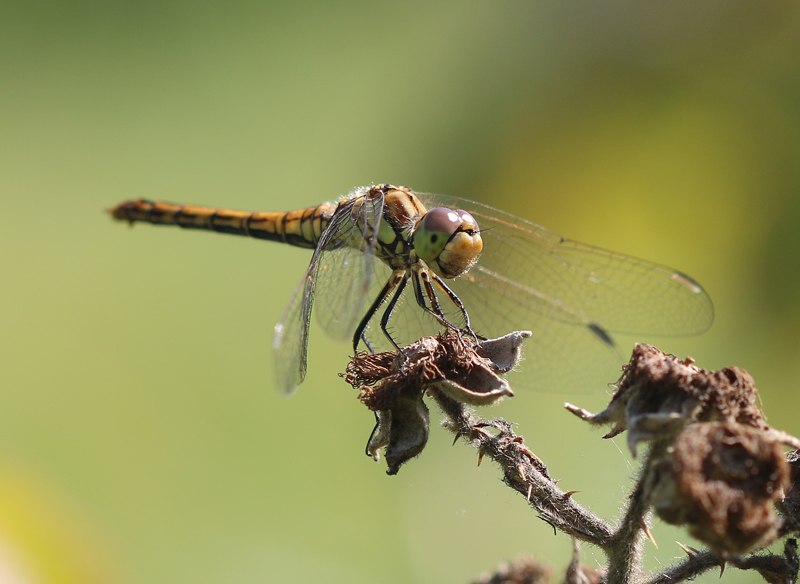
(521, 571)
(659, 394)
(392, 384)
(584, 574)
(722, 480)
(579, 573)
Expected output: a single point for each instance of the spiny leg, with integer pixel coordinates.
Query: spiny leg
(436, 311)
(426, 280)
(366, 342)
(390, 285)
(398, 281)
(387, 314)
(457, 301)
(360, 334)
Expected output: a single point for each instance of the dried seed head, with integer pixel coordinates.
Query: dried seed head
(520, 571)
(393, 385)
(584, 574)
(722, 480)
(659, 394)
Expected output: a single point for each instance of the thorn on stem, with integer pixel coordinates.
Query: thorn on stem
(690, 551)
(649, 535)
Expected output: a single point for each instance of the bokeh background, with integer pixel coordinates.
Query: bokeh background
(141, 439)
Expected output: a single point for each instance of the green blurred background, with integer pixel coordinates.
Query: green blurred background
(141, 439)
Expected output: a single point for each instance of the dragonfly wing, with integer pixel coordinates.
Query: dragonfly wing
(620, 293)
(408, 322)
(564, 352)
(570, 295)
(339, 278)
(290, 342)
(346, 272)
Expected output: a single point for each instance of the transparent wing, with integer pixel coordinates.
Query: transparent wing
(560, 356)
(346, 268)
(408, 323)
(290, 342)
(570, 295)
(564, 352)
(339, 278)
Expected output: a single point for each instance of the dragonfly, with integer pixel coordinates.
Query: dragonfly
(470, 267)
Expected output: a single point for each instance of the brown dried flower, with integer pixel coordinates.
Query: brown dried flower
(722, 480)
(393, 384)
(659, 394)
(584, 574)
(520, 571)
(579, 573)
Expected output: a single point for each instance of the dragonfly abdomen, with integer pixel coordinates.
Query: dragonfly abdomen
(301, 228)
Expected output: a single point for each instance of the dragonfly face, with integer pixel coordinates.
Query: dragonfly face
(448, 240)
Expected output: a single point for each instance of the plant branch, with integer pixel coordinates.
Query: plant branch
(524, 472)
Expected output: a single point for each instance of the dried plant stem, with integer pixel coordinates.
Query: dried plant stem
(694, 565)
(625, 549)
(556, 507)
(711, 462)
(774, 568)
(524, 472)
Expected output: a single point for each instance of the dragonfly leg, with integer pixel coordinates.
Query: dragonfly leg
(373, 433)
(390, 285)
(436, 310)
(366, 342)
(387, 314)
(457, 301)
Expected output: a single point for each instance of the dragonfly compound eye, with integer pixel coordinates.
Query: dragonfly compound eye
(448, 241)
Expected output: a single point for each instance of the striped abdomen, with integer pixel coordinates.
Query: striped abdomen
(301, 228)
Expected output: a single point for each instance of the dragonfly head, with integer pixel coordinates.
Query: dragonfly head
(448, 240)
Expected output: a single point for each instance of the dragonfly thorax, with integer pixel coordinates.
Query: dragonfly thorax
(401, 212)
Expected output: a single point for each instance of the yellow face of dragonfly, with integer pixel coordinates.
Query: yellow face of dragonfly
(448, 241)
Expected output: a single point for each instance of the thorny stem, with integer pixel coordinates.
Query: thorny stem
(554, 506)
(680, 395)
(777, 569)
(690, 568)
(625, 550)
(502, 445)
(495, 439)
